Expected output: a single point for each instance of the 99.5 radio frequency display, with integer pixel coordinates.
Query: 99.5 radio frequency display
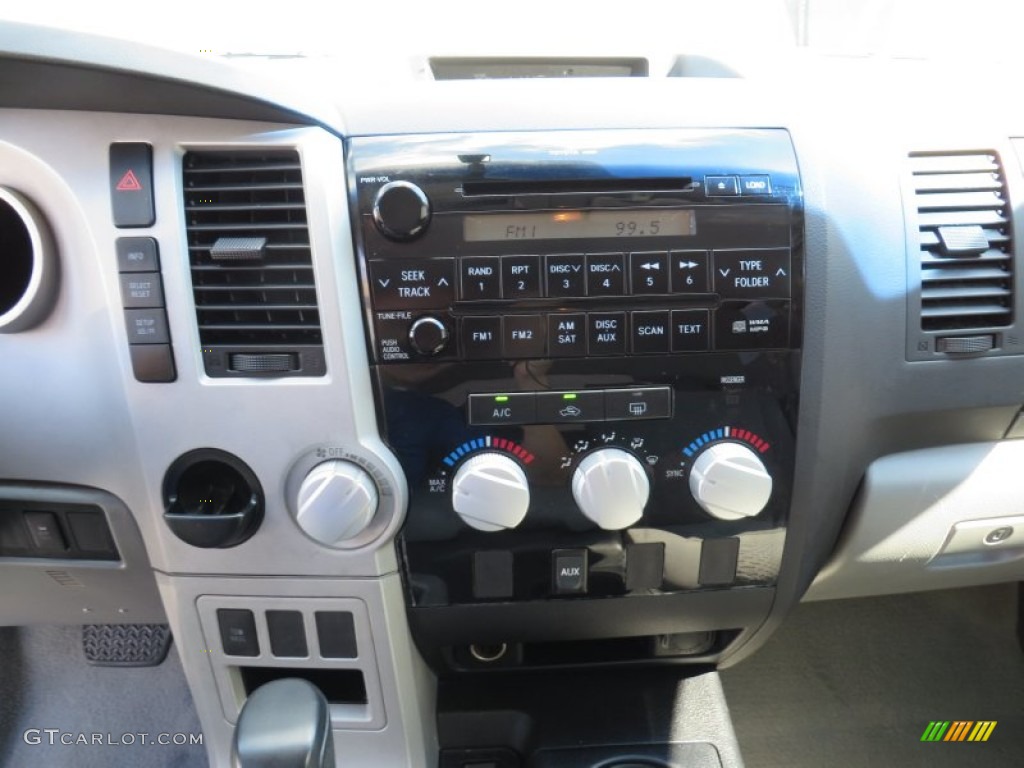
(565, 225)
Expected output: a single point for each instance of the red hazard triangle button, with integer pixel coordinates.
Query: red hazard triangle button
(129, 183)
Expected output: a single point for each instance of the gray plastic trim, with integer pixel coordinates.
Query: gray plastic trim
(406, 733)
(58, 591)
(900, 533)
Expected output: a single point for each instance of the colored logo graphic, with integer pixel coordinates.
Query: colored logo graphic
(958, 730)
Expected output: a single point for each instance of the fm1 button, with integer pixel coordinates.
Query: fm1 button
(569, 571)
(481, 337)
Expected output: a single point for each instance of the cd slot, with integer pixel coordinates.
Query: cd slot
(480, 188)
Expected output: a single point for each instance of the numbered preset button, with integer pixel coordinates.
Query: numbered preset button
(520, 277)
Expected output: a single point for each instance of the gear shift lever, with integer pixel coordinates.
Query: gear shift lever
(284, 724)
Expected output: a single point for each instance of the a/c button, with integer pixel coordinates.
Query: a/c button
(499, 408)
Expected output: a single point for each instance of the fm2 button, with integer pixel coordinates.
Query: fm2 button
(569, 571)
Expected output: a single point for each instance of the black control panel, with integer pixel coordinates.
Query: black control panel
(586, 353)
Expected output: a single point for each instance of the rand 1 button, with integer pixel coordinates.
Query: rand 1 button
(567, 335)
(412, 283)
(605, 274)
(569, 407)
(565, 276)
(502, 408)
(690, 330)
(648, 272)
(606, 333)
(752, 325)
(753, 274)
(481, 278)
(523, 336)
(689, 271)
(651, 332)
(481, 337)
(638, 403)
(520, 277)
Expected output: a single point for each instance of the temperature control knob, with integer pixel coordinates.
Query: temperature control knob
(611, 488)
(401, 210)
(729, 481)
(337, 501)
(490, 492)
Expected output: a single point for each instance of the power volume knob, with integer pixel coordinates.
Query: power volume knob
(729, 481)
(611, 488)
(337, 500)
(401, 210)
(490, 492)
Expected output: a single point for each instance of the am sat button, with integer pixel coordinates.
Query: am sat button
(501, 408)
(567, 407)
(638, 403)
(567, 335)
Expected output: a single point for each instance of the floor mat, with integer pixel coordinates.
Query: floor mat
(853, 683)
(53, 701)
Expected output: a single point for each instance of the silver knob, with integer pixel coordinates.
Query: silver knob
(611, 488)
(729, 481)
(337, 500)
(490, 492)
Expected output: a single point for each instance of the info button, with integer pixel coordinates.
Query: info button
(496, 409)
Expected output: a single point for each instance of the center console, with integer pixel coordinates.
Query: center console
(586, 354)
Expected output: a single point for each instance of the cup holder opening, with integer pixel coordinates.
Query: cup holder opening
(212, 499)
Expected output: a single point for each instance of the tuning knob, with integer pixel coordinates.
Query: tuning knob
(611, 488)
(729, 481)
(401, 210)
(337, 501)
(490, 492)
(428, 336)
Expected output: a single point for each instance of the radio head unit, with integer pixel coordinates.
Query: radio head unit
(586, 352)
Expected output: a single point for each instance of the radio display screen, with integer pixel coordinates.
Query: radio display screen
(566, 225)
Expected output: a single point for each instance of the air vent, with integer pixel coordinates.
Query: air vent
(252, 268)
(965, 238)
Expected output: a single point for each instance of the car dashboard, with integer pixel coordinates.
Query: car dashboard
(457, 398)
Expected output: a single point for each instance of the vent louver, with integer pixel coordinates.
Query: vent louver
(252, 267)
(965, 238)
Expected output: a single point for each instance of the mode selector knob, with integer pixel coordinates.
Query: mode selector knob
(611, 488)
(490, 492)
(401, 210)
(729, 481)
(337, 500)
(428, 336)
